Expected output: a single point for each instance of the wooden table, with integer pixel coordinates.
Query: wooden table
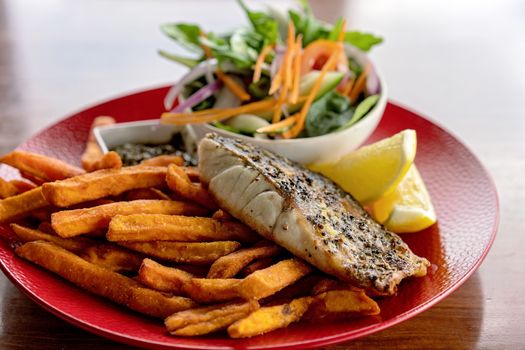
(460, 63)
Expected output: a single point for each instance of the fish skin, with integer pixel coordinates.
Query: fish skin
(305, 213)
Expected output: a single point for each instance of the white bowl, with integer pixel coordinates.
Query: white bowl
(326, 147)
(145, 131)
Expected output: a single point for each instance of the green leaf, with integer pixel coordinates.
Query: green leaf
(262, 23)
(363, 41)
(334, 33)
(186, 35)
(188, 62)
(327, 114)
(361, 110)
(307, 25)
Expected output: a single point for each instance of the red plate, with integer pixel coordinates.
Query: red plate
(463, 194)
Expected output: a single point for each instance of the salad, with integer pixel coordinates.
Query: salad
(286, 75)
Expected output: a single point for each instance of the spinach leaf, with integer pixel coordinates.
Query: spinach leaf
(263, 24)
(222, 50)
(361, 110)
(307, 25)
(327, 114)
(186, 35)
(363, 41)
(188, 62)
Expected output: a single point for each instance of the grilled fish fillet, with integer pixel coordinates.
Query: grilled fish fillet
(305, 213)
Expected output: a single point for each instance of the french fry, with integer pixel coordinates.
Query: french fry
(340, 303)
(112, 257)
(192, 172)
(7, 189)
(161, 227)
(184, 252)
(145, 193)
(34, 179)
(221, 215)
(110, 160)
(208, 319)
(69, 223)
(102, 183)
(181, 184)
(22, 186)
(163, 160)
(43, 167)
(267, 319)
(26, 234)
(231, 264)
(327, 284)
(163, 278)
(93, 152)
(21, 205)
(45, 226)
(102, 281)
(258, 264)
(265, 282)
(207, 290)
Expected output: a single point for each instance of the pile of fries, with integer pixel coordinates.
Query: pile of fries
(150, 237)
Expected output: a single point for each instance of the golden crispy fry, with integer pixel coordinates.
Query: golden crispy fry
(36, 180)
(102, 183)
(181, 184)
(221, 215)
(230, 265)
(145, 193)
(45, 226)
(93, 152)
(184, 252)
(258, 264)
(327, 284)
(207, 290)
(163, 278)
(26, 234)
(43, 167)
(269, 318)
(163, 160)
(192, 172)
(69, 223)
(112, 257)
(270, 280)
(102, 281)
(21, 205)
(337, 303)
(301, 288)
(207, 319)
(110, 160)
(7, 189)
(22, 186)
(161, 227)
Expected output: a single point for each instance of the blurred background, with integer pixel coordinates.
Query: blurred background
(460, 63)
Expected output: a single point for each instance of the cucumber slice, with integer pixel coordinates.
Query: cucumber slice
(330, 82)
(247, 123)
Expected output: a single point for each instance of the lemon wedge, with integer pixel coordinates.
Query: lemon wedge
(408, 208)
(373, 171)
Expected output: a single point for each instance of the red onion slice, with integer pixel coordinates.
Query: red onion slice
(199, 96)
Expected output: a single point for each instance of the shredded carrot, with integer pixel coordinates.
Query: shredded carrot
(329, 65)
(278, 126)
(277, 80)
(286, 72)
(217, 114)
(233, 86)
(341, 35)
(348, 87)
(296, 69)
(360, 84)
(260, 60)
